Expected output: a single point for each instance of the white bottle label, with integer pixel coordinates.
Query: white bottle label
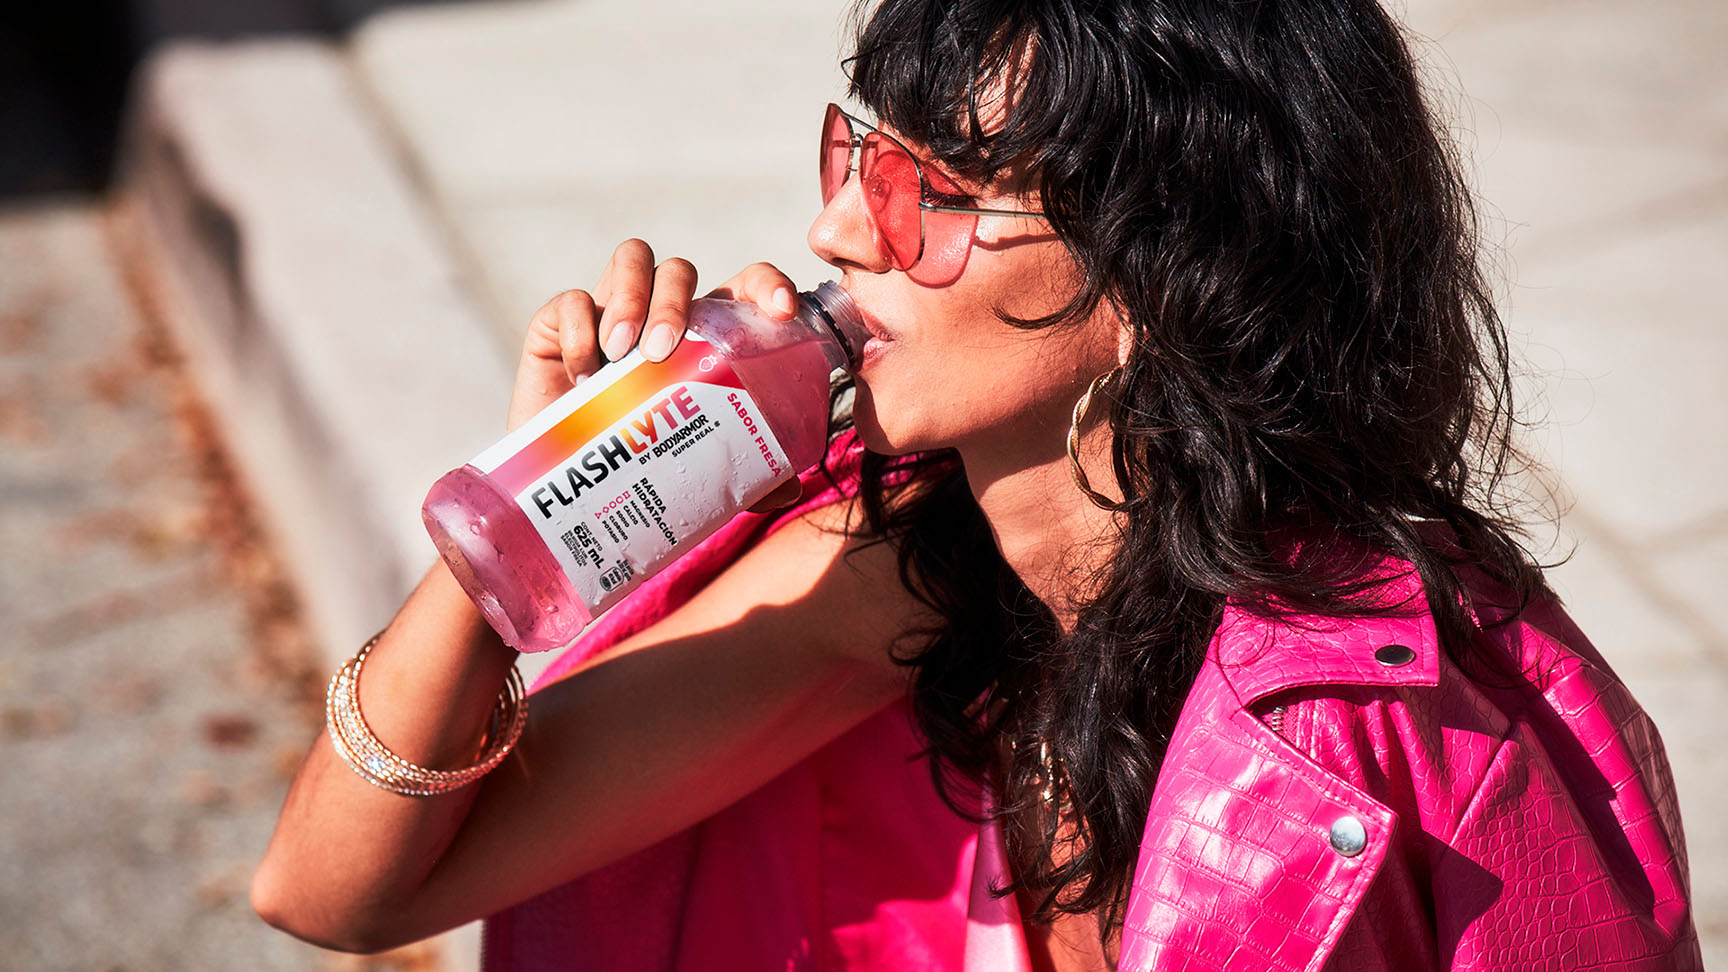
(642, 461)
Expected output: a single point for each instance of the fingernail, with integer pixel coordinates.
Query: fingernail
(618, 342)
(783, 301)
(658, 344)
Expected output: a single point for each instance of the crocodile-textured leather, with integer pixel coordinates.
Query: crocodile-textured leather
(1399, 816)
(1531, 826)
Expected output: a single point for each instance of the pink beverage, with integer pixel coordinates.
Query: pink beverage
(619, 477)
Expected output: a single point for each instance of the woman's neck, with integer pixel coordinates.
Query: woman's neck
(1052, 536)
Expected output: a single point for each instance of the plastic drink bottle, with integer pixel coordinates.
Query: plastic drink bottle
(620, 476)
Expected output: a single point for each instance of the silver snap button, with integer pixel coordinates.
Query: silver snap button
(1394, 656)
(1348, 836)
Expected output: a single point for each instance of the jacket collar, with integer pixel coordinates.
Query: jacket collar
(1260, 656)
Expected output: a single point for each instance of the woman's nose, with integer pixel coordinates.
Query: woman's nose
(845, 236)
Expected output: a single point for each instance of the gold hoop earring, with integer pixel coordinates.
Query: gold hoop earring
(1080, 407)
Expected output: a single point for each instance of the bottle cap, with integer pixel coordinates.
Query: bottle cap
(834, 307)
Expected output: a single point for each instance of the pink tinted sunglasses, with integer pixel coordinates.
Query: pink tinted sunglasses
(898, 189)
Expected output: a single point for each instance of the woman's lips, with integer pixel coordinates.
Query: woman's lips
(880, 336)
(874, 326)
(872, 351)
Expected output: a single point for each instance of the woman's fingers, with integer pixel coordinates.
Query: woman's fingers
(643, 301)
(668, 308)
(765, 286)
(624, 292)
(558, 351)
(636, 300)
(577, 342)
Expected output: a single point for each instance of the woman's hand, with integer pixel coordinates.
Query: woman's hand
(576, 332)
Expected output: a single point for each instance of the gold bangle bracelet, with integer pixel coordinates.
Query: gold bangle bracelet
(376, 764)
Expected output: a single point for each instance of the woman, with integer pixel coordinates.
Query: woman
(1174, 525)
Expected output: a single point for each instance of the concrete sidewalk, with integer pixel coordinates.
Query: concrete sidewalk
(369, 226)
(155, 697)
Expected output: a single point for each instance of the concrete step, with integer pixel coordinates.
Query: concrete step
(329, 327)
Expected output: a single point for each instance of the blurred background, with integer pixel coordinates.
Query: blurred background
(264, 267)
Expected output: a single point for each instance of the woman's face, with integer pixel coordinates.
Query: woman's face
(942, 370)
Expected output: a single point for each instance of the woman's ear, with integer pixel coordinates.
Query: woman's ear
(1124, 337)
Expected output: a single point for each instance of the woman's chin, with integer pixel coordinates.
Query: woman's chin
(871, 433)
(867, 422)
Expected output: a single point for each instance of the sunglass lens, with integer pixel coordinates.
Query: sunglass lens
(836, 152)
(891, 191)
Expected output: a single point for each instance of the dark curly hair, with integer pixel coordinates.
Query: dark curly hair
(1259, 191)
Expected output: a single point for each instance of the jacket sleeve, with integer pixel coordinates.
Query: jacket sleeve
(1538, 841)
(1565, 861)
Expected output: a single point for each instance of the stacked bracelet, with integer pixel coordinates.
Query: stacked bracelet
(376, 764)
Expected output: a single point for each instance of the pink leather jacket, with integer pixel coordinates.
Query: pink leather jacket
(1340, 795)
(1337, 795)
